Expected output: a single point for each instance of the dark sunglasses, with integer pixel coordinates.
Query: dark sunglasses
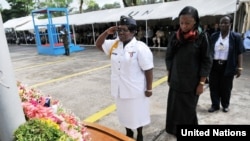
(122, 30)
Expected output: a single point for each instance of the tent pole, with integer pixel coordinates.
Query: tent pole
(58, 35)
(235, 14)
(25, 37)
(116, 24)
(74, 33)
(147, 32)
(15, 33)
(93, 29)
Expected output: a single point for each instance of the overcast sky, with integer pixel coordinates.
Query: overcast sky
(74, 4)
(4, 4)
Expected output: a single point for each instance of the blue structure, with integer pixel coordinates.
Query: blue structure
(49, 42)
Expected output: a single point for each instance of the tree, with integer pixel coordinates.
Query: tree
(111, 6)
(80, 6)
(6, 15)
(1, 8)
(55, 3)
(92, 6)
(21, 8)
(87, 2)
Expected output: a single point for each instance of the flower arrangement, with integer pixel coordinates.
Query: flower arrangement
(43, 111)
(40, 130)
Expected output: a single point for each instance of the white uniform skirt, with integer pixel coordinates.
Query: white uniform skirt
(133, 113)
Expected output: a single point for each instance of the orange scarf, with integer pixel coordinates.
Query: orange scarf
(192, 35)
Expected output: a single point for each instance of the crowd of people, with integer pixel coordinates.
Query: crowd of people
(20, 38)
(153, 35)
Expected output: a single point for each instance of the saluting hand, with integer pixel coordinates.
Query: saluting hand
(112, 30)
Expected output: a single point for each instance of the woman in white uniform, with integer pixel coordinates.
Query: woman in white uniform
(131, 75)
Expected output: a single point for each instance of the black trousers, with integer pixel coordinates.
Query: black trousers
(220, 85)
(66, 47)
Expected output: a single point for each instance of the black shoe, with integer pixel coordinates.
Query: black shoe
(130, 133)
(212, 109)
(139, 138)
(225, 110)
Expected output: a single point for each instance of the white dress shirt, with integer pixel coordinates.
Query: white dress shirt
(221, 48)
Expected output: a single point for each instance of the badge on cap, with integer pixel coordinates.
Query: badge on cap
(127, 21)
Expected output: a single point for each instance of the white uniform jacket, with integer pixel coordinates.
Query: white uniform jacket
(127, 68)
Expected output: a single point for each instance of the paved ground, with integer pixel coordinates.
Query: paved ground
(81, 82)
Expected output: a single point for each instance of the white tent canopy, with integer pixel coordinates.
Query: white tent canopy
(13, 23)
(149, 12)
(156, 11)
(28, 26)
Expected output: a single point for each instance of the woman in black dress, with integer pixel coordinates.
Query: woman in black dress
(188, 60)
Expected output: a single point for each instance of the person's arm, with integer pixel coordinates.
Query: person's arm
(202, 80)
(240, 60)
(170, 52)
(241, 50)
(200, 89)
(101, 38)
(149, 81)
(240, 68)
(206, 62)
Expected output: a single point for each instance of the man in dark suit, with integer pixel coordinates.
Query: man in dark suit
(65, 39)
